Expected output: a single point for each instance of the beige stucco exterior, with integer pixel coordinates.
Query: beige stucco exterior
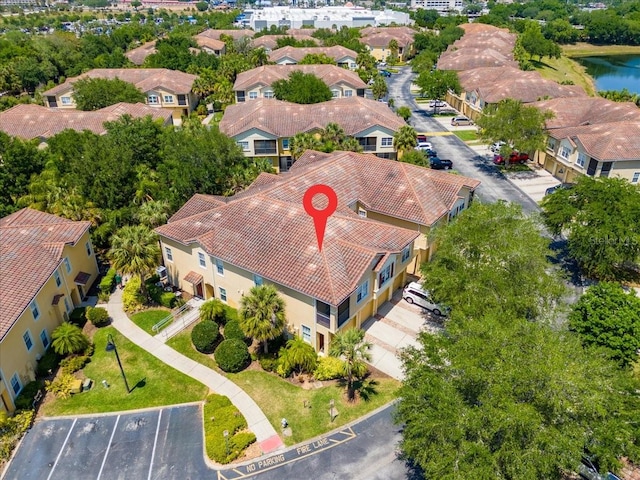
(54, 302)
(338, 90)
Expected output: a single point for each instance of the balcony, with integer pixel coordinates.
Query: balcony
(368, 144)
(323, 320)
(265, 147)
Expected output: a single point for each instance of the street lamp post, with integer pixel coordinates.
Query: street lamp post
(111, 347)
(225, 434)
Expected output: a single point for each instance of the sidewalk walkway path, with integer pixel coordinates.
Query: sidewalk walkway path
(258, 423)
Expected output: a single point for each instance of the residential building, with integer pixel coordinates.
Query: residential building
(216, 247)
(324, 17)
(378, 39)
(264, 127)
(29, 121)
(343, 56)
(270, 42)
(48, 265)
(217, 34)
(257, 82)
(138, 55)
(441, 6)
(210, 45)
(591, 136)
(163, 88)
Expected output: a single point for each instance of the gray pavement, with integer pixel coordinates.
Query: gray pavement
(267, 437)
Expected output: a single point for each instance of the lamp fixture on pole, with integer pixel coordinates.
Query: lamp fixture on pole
(111, 347)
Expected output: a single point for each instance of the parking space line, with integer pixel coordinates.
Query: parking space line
(155, 443)
(62, 448)
(104, 460)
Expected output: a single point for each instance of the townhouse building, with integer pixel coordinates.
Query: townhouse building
(343, 56)
(378, 40)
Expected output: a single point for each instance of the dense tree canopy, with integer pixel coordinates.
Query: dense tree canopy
(435, 84)
(302, 87)
(97, 93)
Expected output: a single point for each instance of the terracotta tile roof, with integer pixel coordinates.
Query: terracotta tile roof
(145, 79)
(381, 36)
(296, 54)
(498, 83)
(193, 277)
(138, 55)
(502, 45)
(284, 119)
(483, 29)
(35, 121)
(30, 250)
(197, 204)
(266, 230)
(270, 42)
(210, 43)
(236, 34)
(570, 112)
(82, 278)
(468, 58)
(617, 141)
(268, 74)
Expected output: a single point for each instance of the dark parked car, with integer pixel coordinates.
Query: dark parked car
(440, 164)
(560, 186)
(385, 73)
(430, 152)
(514, 157)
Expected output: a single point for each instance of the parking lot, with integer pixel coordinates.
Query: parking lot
(152, 444)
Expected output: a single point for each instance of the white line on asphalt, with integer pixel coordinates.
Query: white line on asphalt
(62, 448)
(155, 442)
(104, 460)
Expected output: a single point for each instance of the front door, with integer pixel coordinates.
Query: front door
(199, 291)
(321, 342)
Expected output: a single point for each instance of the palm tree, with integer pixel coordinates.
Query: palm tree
(262, 315)
(259, 57)
(299, 356)
(135, 250)
(351, 347)
(68, 339)
(379, 87)
(404, 139)
(153, 213)
(302, 142)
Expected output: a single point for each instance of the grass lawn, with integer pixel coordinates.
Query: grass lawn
(182, 343)
(565, 69)
(280, 399)
(154, 383)
(466, 135)
(147, 319)
(588, 50)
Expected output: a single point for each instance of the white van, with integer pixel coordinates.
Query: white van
(414, 294)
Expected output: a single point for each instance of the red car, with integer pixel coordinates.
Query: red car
(514, 157)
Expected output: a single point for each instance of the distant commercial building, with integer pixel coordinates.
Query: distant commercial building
(441, 6)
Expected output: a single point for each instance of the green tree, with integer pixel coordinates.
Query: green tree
(521, 127)
(607, 316)
(68, 339)
(135, 250)
(298, 356)
(262, 315)
(301, 142)
(379, 87)
(317, 59)
(97, 93)
(534, 43)
(393, 51)
(404, 112)
(366, 66)
(404, 139)
(600, 219)
(478, 268)
(415, 157)
(350, 346)
(302, 88)
(213, 311)
(435, 84)
(153, 213)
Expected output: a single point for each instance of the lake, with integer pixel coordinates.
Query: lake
(614, 72)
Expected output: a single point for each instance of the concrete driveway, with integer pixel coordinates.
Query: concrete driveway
(396, 326)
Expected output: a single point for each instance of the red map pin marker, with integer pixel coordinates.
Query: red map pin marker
(320, 217)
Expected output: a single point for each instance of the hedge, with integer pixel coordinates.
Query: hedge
(49, 361)
(232, 355)
(205, 335)
(232, 330)
(98, 316)
(220, 415)
(132, 299)
(79, 316)
(107, 282)
(328, 368)
(24, 401)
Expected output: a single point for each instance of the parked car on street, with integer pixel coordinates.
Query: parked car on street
(560, 186)
(422, 142)
(440, 164)
(437, 103)
(413, 293)
(385, 73)
(514, 157)
(495, 147)
(461, 120)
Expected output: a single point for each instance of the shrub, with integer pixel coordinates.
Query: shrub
(12, 429)
(68, 338)
(49, 362)
(232, 330)
(98, 316)
(61, 386)
(232, 355)
(154, 291)
(168, 299)
(268, 363)
(328, 368)
(204, 336)
(72, 364)
(107, 282)
(132, 300)
(24, 401)
(213, 310)
(221, 415)
(79, 316)
(242, 440)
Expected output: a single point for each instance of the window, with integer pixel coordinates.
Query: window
(335, 93)
(202, 260)
(362, 292)
(168, 99)
(168, 253)
(28, 342)
(387, 142)
(67, 264)
(385, 275)
(219, 266)
(253, 95)
(267, 94)
(182, 99)
(15, 384)
(57, 278)
(582, 159)
(306, 333)
(87, 247)
(565, 152)
(406, 253)
(348, 93)
(44, 336)
(343, 312)
(65, 100)
(636, 177)
(264, 147)
(67, 305)
(152, 99)
(244, 146)
(257, 279)
(285, 144)
(34, 310)
(362, 213)
(223, 294)
(551, 144)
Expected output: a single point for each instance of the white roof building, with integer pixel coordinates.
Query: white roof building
(325, 17)
(441, 6)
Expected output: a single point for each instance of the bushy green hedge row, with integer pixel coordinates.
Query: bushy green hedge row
(74, 363)
(232, 355)
(221, 415)
(205, 336)
(329, 368)
(107, 282)
(158, 295)
(49, 361)
(24, 401)
(132, 299)
(12, 429)
(98, 316)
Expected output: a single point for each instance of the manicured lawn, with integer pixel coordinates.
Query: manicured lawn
(182, 343)
(588, 50)
(564, 68)
(147, 319)
(466, 135)
(153, 383)
(280, 399)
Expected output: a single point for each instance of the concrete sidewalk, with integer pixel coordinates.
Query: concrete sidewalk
(258, 423)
